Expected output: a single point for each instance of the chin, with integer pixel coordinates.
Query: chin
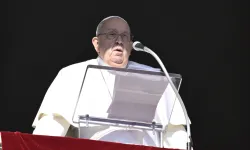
(118, 65)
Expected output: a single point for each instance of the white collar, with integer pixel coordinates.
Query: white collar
(101, 62)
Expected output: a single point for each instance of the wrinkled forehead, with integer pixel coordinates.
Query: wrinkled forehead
(114, 24)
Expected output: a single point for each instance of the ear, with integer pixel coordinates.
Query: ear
(95, 44)
(130, 47)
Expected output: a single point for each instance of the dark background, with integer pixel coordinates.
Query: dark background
(205, 42)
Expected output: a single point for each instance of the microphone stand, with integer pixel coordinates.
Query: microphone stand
(146, 49)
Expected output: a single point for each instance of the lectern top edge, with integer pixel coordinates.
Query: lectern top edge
(133, 71)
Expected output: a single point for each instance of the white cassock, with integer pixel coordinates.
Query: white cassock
(56, 111)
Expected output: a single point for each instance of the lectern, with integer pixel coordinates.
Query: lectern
(134, 100)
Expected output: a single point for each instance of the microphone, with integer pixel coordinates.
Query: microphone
(138, 46)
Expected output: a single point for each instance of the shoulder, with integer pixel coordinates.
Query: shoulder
(78, 67)
(139, 66)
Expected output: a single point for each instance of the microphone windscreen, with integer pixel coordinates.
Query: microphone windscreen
(138, 46)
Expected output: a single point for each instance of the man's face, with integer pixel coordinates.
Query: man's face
(113, 43)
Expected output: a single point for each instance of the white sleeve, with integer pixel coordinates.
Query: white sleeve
(52, 126)
(176, 137)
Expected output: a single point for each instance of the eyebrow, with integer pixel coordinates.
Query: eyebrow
(111, 30)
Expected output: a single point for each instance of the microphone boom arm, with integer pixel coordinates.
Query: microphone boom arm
(146, 49)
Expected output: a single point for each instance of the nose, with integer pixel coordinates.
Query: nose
(119, 39)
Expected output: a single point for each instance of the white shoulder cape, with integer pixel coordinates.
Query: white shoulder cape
(61, 97)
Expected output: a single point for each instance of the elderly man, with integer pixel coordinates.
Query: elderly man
(113, 45)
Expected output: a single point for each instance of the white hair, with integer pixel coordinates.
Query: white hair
(100, 25)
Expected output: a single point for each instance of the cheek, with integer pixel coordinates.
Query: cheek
(106, 52)
(128, 49)
(105, 45)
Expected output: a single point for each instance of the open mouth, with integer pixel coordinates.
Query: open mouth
(118, 49)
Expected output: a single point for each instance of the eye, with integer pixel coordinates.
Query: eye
(124, 35)
(112, 35)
